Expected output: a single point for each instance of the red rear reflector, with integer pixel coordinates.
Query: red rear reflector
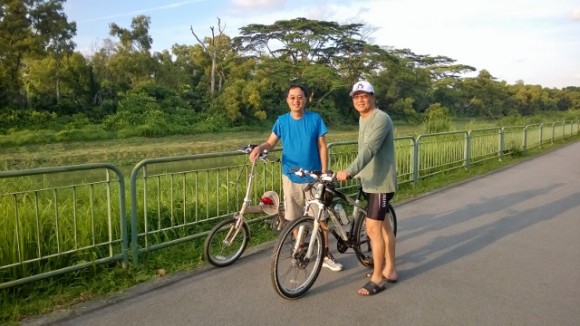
(267, 200)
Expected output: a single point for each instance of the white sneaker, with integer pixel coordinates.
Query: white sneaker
(332, 264)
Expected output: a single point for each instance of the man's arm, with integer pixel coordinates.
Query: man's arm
(375, 135)
(323, 152)
(267, 145)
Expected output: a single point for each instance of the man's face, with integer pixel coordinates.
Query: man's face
(296, 99)
(363, 102)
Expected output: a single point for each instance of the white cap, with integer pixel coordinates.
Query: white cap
(362, 86)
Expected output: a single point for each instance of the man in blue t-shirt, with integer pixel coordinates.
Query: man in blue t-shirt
(303, 146)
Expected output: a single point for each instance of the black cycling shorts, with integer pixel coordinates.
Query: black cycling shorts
(378, 205)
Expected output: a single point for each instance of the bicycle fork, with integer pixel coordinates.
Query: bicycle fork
(234, 230)
(302, 233)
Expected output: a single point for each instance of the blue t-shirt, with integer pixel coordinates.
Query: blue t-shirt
(300, 143)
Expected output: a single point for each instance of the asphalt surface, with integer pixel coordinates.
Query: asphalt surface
(503, 249)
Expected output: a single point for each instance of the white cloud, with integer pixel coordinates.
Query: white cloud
(258, 4)
(146, 10)
(575, 15)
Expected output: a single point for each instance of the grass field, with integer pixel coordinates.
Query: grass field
(125, 153)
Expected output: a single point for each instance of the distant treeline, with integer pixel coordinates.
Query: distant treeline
(219, 83)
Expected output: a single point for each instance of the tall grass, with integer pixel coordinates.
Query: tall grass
(47, 227)
(180, 204)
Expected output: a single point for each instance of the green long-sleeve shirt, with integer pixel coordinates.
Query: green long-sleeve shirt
(375, 162)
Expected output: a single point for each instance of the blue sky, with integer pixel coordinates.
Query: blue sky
(537, 41)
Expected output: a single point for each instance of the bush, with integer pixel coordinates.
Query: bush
(28, 137)
(436, 125)
(26, 119)
(214, 122)
(514, 119)
(90, 132)
(437, 119)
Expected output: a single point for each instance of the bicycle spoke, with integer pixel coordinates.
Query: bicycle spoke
(292, 273)
(225, 244)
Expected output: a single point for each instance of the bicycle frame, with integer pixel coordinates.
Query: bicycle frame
(247, 208)
(295, 262)
(318, 203)
(228, 239)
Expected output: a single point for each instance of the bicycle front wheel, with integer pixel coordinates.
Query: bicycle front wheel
(225, 243)
(292, 272)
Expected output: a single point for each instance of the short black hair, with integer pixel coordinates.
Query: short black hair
(296, 86)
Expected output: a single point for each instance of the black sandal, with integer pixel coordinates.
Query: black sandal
(372, 288)
(369, 275)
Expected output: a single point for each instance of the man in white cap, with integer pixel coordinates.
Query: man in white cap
(375, 165)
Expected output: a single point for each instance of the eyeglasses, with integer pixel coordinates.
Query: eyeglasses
(362, 96)
(295, 98)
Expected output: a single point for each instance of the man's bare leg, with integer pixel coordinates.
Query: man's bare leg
(374, 230)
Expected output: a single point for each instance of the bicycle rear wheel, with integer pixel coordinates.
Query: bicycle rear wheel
(225, 244)
(392, 216)
(362, 247)
(293, 274)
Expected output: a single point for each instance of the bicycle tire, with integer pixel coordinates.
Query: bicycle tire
(291, 276)
(362, 247)
(221, 254)
(393, 219)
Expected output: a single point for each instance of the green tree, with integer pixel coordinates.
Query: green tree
(401, 79)
(132, 64)
(188, 69)
(485, 96)
(326, 57)
(214, 49)
(29, 30)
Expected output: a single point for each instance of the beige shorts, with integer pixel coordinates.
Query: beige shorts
(295, 199)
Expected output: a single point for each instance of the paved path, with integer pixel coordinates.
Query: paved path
(498, 250)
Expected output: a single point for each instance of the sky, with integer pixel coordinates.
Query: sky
(534, 41)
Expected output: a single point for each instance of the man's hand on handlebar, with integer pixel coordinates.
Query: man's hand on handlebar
(261, 152)
(342, 176)
(255, 154)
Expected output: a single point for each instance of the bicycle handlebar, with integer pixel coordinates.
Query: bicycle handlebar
(263, 155)
(328, 179)
(325, 177)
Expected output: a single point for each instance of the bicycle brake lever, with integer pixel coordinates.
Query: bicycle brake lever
(248, 148)
(300, 172)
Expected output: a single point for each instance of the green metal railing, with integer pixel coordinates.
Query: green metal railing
(176, 199)
(55, 220)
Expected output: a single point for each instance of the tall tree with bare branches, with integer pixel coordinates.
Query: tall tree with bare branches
(213, 52)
